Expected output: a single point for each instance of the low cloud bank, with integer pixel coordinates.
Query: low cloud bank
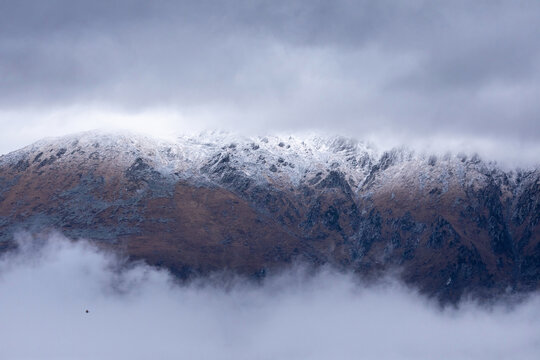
(139, 312)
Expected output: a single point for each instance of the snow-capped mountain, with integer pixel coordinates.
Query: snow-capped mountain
(450, 224)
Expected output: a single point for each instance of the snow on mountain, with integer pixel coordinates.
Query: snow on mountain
(270, 159)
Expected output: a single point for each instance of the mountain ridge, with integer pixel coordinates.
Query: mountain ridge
(454, 223)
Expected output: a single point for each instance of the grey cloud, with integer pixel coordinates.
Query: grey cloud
(409, 69)
(139, 312)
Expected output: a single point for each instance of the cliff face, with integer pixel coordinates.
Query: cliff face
(449, 225)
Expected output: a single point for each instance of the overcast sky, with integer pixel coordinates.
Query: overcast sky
(445, 72)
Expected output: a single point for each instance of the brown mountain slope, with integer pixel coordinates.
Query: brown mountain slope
(449, 226)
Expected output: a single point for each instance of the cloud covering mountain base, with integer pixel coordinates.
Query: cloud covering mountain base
(139, 312)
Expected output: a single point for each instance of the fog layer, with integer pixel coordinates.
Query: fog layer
(138, 312)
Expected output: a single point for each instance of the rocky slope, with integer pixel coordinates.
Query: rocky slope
(449, 225)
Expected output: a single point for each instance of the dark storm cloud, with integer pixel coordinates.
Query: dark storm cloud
(415, 68)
